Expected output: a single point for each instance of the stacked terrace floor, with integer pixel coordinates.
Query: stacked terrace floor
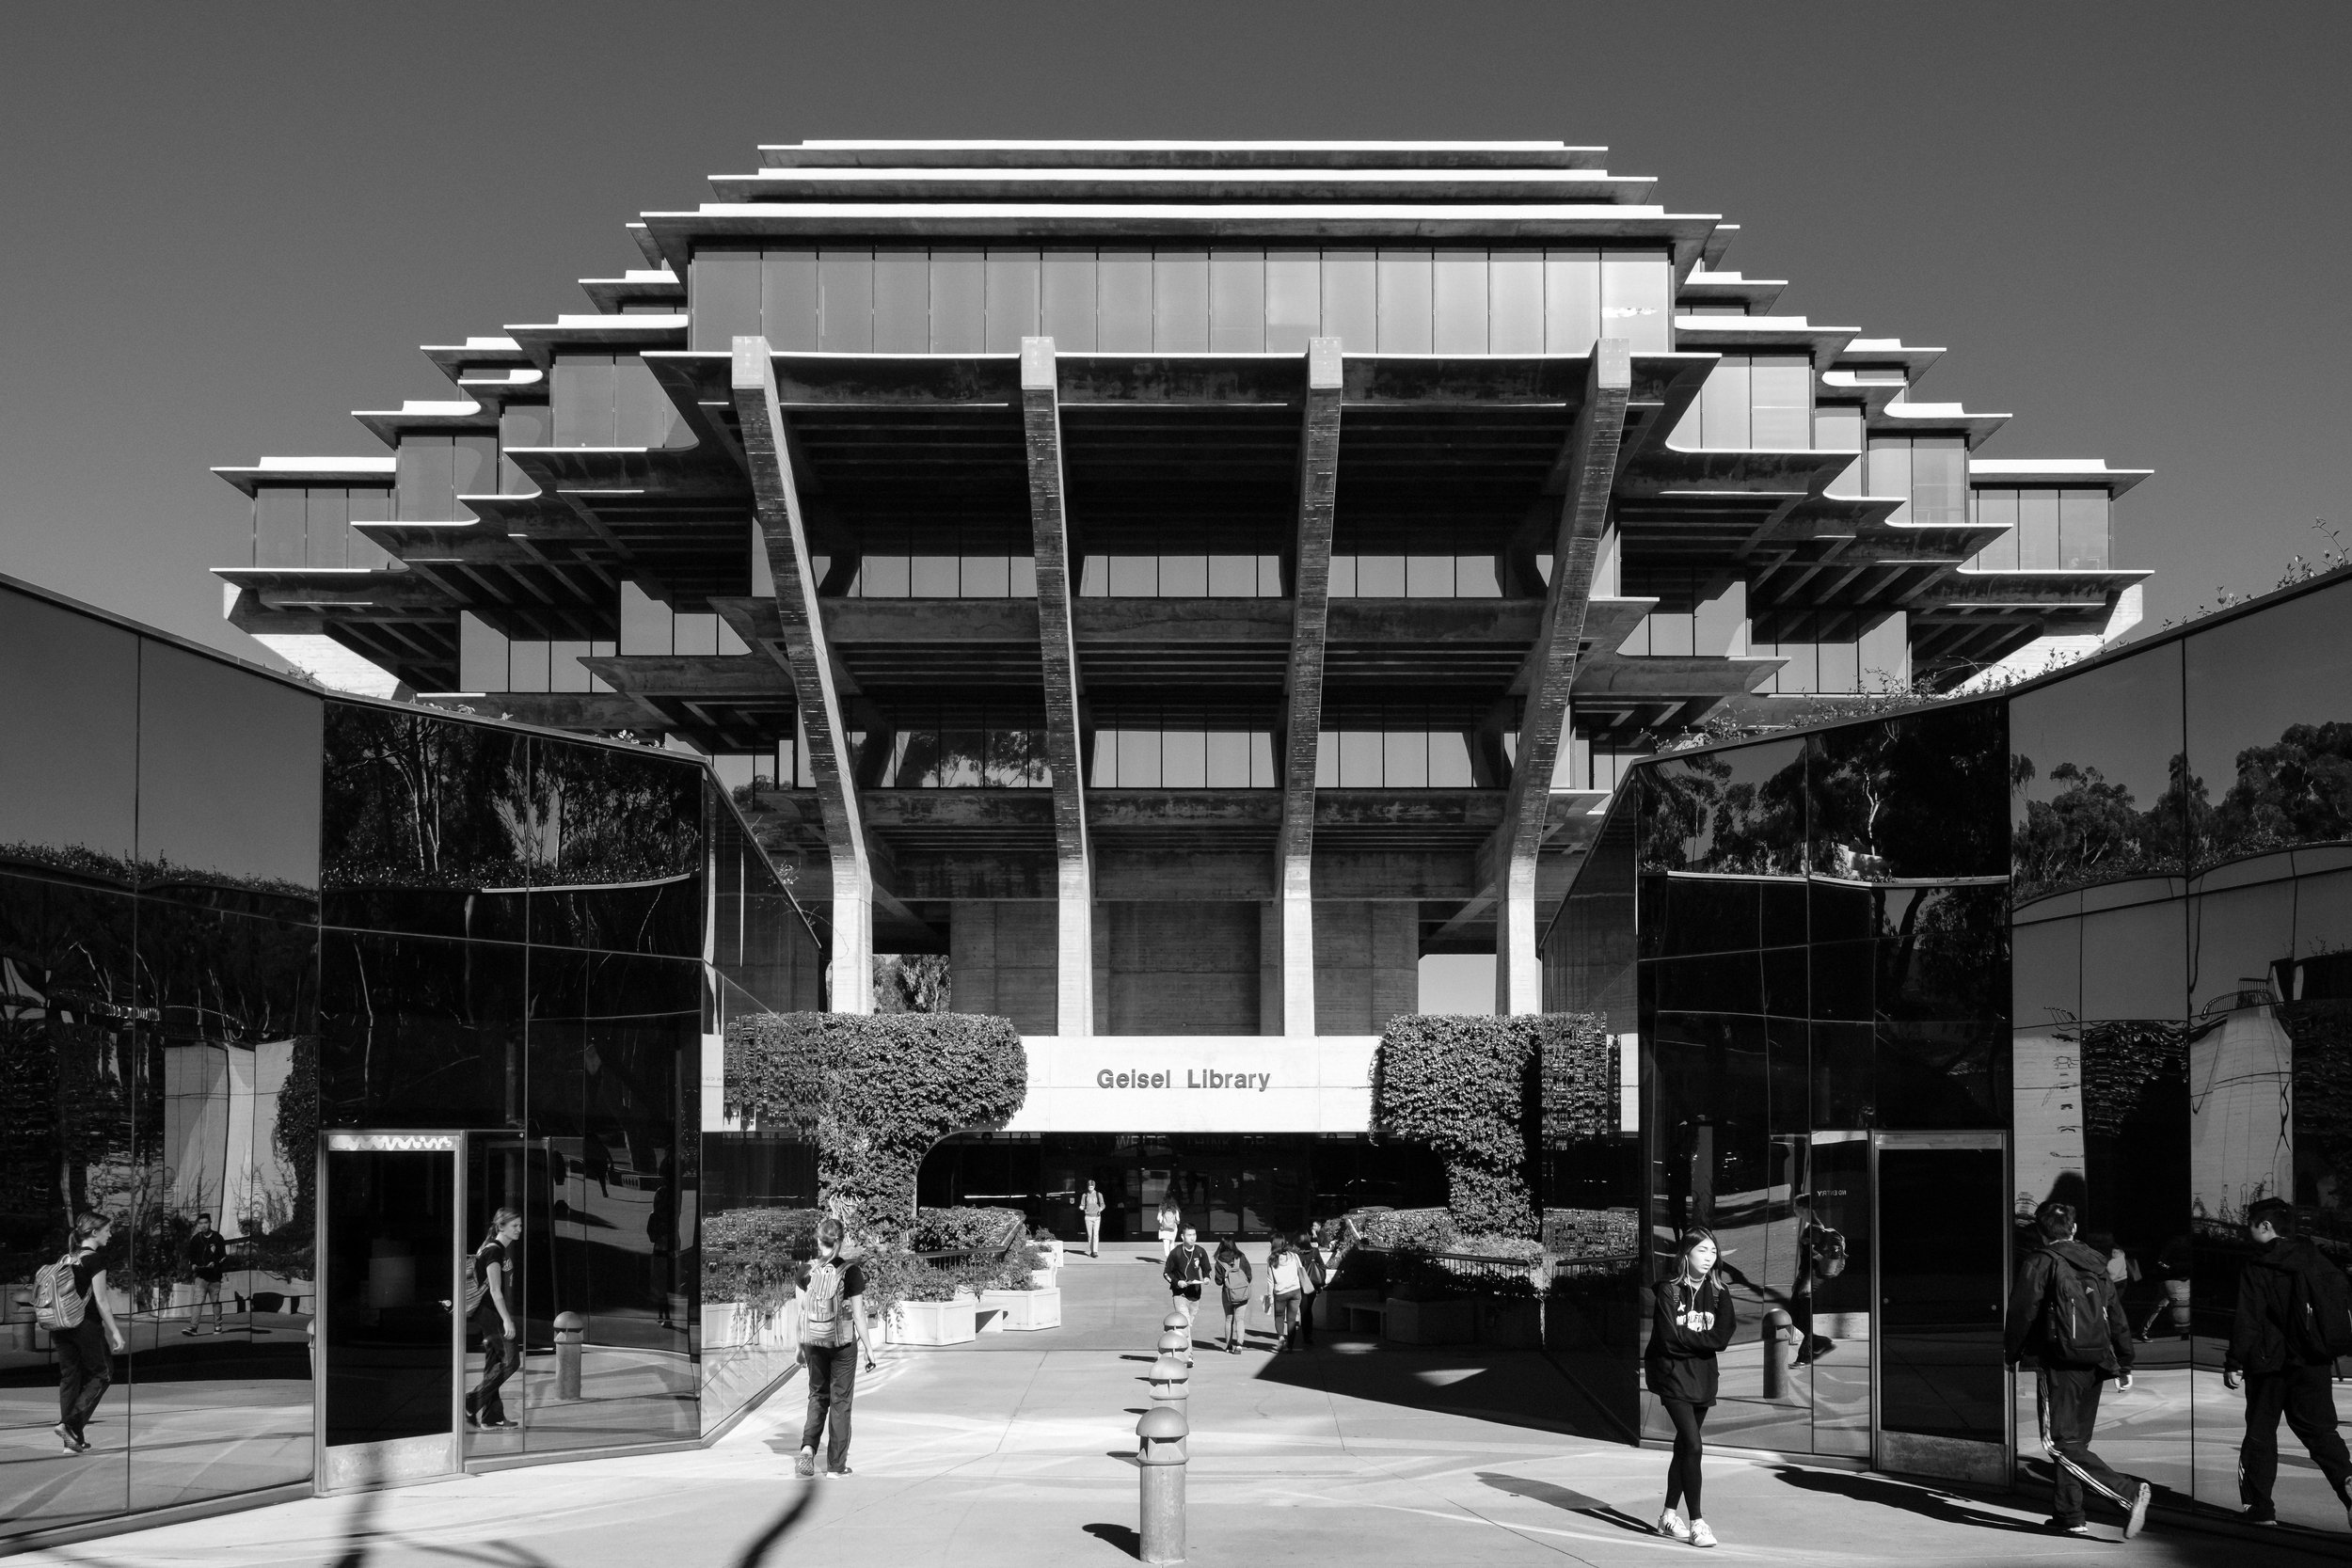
(1187, 581)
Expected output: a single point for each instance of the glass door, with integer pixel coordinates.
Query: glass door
(1941, 1387)
(525, 1177)
(389, 1345)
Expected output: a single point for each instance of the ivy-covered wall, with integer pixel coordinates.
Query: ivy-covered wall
(1471, 1089)
(875, 1092)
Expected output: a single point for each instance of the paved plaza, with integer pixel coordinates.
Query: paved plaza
(1016, 1450)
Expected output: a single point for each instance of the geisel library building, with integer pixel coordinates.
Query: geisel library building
(1186, 585)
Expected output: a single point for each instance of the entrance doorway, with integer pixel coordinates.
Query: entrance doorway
(391, 1343)
(1941, 1385)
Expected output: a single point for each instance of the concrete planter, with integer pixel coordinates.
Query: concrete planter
(936, 1322)
(1020, 1310)
(1044, 1279)
(1431, 1323)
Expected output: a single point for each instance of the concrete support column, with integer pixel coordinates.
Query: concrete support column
(1590, 470)
(1057, 650)
(800, 647)
(1302, 681)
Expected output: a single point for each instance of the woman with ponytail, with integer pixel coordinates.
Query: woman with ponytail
(490, 1299)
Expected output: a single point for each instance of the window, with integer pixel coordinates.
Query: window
(1181, 576)
(968, 748)
(611, 401)
(311, 527)
(1414, 577)
(430, 472)
(1180, 757)
(1398, 300)
(1392, 746)
(1753, 403)
(2049, 530)
(1929, 472)
(487, 660)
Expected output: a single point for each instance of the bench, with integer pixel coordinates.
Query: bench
(1355, 1311)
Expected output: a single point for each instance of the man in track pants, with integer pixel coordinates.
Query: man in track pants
(2063, 1311)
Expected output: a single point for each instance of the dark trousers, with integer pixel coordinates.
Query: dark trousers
(1682, 1474)
(2306, 1397)
(832, 1387)
(84, 1368)
(502, 1357)
(2067, 1401)
(1307, 1317)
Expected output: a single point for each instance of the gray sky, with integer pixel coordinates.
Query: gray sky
(229, 226)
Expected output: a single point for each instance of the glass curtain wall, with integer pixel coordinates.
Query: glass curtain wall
(2184, 867)
(158, 890)
(1821, 952)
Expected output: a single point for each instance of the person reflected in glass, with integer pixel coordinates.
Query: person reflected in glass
(491, 1294)
(204, 1254)
(661, 1230)
(2292, 1322)
(2064, 1313)
(1090, 1207)
(1690, 1322)
(2175, 1261)
(71, 1297)
(1820, 1255)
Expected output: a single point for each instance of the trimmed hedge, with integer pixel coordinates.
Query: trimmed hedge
(1472, 1088)
(875, 1092)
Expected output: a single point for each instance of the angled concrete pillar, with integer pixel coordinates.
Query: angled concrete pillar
(1591, 461)
(1302, 681)
(801, 647)
(1057, 650)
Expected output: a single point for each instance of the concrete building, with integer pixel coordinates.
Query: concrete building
(1185, 583)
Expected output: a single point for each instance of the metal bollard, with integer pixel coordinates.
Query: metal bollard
(570, 1330)
(1160, 1463)
(1171, 1380)
(1778, 1337)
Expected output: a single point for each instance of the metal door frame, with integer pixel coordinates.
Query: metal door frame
(1927, 1447)
(451, 1144)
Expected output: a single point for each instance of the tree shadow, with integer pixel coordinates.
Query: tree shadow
(1567, 1501)
(1884, 1491)
(1514, 1387)
(1121, 1536)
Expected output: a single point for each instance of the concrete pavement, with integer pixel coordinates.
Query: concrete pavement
(1021, 1455)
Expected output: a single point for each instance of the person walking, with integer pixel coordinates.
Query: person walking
(1284, 1279)
(2174, 1262)
(490, 1302)
(2292, 1323)
(1171, 1219)
(70, 1299)
(2064, 1312)
(1090, 1205)
(1310, 1282)
(1187, 1269)
(835, 1336)
(1690, 1322)
(1232, 1290)
(204, 1256)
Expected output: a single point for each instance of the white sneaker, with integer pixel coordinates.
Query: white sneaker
(1700, 1534)
(1670, 1524)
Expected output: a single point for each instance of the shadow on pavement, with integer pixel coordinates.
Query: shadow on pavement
(1565, 1500)
(1121, 1536)
(1940, 1506)
(1516, 1387)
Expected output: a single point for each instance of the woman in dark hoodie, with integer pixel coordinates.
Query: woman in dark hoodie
(1690, 1322)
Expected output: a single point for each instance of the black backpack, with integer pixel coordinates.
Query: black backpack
(2077, 1310)
(2319, 1312)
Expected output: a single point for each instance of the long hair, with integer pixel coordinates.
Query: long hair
(1688, 1245)
(88, 1223)
(499, 1220)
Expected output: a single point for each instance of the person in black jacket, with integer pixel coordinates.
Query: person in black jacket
(1188, 1267)
(204, 1256)
(2072, 1360)
(2285, 1373)
(1690, 1322)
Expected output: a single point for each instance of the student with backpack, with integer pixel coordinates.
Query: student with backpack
(2293, 1319)
(70, 1301)
(1311, 1278)
(2064, 1312)
(1690, 1322)
(833, 1339)
(1284, 1279)
(490, 1303)
(1232, 1290)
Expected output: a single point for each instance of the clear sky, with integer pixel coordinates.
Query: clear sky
(229, 225)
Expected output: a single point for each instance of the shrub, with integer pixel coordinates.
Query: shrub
(875, 1091)
(960, 1229)
(1471, 1089)
(749, 1254)
(1427, 1230)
